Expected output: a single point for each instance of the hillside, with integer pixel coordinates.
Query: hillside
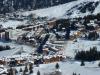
(49, 37)
(16, 5)
(71, 9)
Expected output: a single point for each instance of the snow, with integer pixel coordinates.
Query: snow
(14, 34)
(2, 69)
(61, 10)
(15, 48)
(97, 9)
(71, 47)
(67, 68)
(56, 11)
(12, 23)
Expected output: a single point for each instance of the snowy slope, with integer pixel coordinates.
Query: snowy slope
(72, 9)
(67, 68)
(8, 6)
(97, 9)
(12, 23)
(72, 47)
(15, 48)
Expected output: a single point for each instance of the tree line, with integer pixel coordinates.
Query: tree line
(91, 55)
(2, 48)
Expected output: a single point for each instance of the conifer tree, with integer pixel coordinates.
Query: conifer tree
(82, 63)
(99, 64)
(20, 70)
(38, 73)
(31, 68)
(11, 71)
(26, 69)
(57, 66)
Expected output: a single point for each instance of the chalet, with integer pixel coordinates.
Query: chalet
(51, 23)
(51, 59)
(39, 32)
(53, 48)
(58, 42)
(37, 26)
(14, 61)
(52, 37)
(45, 51)
(28, 29)
(17, 62)
(14, 34)
(2, 62)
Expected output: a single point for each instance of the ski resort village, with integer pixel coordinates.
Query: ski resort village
(60, 37)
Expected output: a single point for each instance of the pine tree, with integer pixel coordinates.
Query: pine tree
(26, 69)
(99, 64)
(16, 71)
(57, 66)
(82, 63)
(31, 68)
(21, 70)
(38, 73)
(11, 71)
(74, 73)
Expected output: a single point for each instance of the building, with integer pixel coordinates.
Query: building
(4, 36)
(51, 23)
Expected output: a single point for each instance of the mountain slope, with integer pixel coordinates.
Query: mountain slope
(71, 9)
(15, 5)
(86, 7)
